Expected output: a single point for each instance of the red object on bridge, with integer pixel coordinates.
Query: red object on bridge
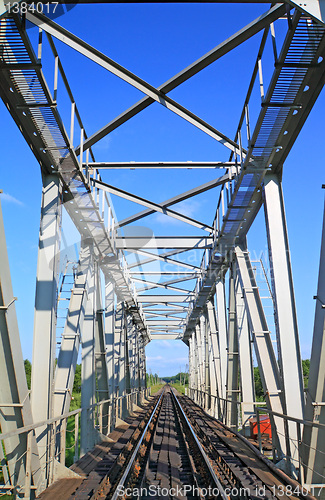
(265, 426)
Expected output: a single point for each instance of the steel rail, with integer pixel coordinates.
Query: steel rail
(221, 490)
(134, 454)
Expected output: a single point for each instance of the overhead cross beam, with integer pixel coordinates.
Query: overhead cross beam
(102, 60)
(163, 258)
(133, 165)
(180, 197)
(220, 50)
(150, 204)
(184, 242)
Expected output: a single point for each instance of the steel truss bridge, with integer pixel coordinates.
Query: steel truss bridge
(188, 301)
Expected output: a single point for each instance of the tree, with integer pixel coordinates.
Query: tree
(28, 371)
(77, 380)
(259, 391)
(305, 370)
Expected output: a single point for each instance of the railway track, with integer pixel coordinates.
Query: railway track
(179, 452)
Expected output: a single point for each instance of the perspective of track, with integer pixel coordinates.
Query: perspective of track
(173, 449)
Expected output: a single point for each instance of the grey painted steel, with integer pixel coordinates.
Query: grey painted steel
(285, 308)
(240, 203)
(214, 355)
(213, 55)
(109, 331)
(313, 446)
(157, 95)
(178, 198)
(222, 328)
(186, 242)
(150, 204)
(14, 396)
(101, 355)
(232, 389)
(44, 340)
(164, 298)
(71, 337)
(247, 383)
(88, 374)
(158, 164)
(264, 351)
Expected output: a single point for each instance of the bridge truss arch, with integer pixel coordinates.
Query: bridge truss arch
(115, 303)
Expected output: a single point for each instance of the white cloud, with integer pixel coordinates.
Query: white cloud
(187, 207)
(104, 143)
(7, 198)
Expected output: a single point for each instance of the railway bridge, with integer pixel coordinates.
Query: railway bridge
(121, 285)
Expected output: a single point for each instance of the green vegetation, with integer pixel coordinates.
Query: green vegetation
(180, 388)
(156, 387)
(28, 371)
(181, 378)
(305, 371)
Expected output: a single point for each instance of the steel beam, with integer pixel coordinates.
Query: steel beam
(88, 374)
(15, 407)
(214, 355)
(101, 354)
(232, 389)
(313, 446)
(222, 328)
(285, 308)
(162, 299)
(165, 336)
(71, 337)
(213, 55)
(150, 204)
(245, 360)
(178, 198)
(109, 331)
(102, 60)
(267, 363)
(157, 242)
(133, 165)
(162, 258)
(44, 343)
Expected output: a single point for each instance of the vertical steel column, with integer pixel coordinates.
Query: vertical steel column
(214, 352)
(233, 364)
(264, 351)
(118, 339)
(126, 383)
(199, 360)
(44, 344)
(314, 439)
(245, 359)
(222, 328)
(285, 308)
(71, 336)
(15, 408)
(190, 365)
(88, 374)
(109, 331)
(101, 356)
(207, 381)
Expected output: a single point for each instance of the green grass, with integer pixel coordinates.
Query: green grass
(70, 451)
(155, 388)
(180, 388)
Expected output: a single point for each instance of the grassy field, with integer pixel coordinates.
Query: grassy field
(180, 388)
(155, 388)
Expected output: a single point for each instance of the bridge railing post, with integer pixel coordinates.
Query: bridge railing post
(76, 437)
(28, 465)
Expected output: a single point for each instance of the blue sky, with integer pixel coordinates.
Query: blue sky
(155, 42)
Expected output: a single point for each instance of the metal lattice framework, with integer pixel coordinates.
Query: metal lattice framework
(188, 302)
